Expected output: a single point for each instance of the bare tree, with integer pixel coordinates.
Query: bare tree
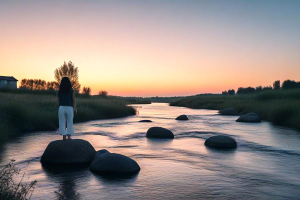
(68, 70)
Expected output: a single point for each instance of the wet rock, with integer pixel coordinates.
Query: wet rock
(249, 117)
(105, 161)
(228, 111)
(145, 120)
(74, 151)
(159, 132)
(182, 117)
(221, 142)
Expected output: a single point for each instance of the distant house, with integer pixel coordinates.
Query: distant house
(8, 82)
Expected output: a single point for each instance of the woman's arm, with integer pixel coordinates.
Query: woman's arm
(74, 103)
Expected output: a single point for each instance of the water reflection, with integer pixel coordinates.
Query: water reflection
(66, 176)
(222, 151)
(67, 190)
(265, 164)
(119, 178)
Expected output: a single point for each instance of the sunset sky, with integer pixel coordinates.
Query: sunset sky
(151, 47)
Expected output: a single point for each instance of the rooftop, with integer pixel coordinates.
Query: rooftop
(8, 78)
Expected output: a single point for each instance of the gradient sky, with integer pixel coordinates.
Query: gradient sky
(153, 48)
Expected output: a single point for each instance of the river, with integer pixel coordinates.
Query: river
(265, 165)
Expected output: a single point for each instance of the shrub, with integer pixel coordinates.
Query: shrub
(9, 189)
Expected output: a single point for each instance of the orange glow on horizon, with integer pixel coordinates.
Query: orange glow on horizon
(127, 51)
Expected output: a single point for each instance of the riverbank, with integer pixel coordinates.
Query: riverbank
(279, 107)
(27, 112)
(264, 152)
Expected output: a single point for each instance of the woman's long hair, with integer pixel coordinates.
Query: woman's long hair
(65, 85)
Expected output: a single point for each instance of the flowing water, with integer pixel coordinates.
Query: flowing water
(265, 165)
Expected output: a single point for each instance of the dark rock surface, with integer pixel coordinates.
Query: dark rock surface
(182, 117)
(249, 117)
(105, 161)
(145, 120)
(221, 142)
(74, 151)
(159, 132)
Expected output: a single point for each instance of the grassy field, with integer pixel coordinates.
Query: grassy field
(281, 107)
(37, 111)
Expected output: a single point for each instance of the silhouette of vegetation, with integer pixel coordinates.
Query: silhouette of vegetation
(229, 92)
(288, 84)
(259, 89)
(163, 99)
(267, 88)
(86, 91)
(26, 112)
(281, 107)
(248, 90)
(9, 190)
(38, 84)
(68, 70)
(276, 85)
(224, 93)
(103, 93)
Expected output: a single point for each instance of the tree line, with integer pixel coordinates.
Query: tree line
(286, 85)
(66, 70)
(38, 84)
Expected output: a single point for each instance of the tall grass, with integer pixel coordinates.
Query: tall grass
(11, 190)
(25, 112)
(280, 107)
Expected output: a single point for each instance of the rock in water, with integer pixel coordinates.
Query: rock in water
(105, 161)
(145, 120)
(159, 132)
(182, 117)
(74, 151)
(249, 117)
(228, 111)
(221, 142)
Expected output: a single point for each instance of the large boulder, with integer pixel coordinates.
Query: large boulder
(221, 142)
(159, 132)
(249, 117)
(105, 161)
(74, 151)
(182, 117)
(145, 120)
(228, 111)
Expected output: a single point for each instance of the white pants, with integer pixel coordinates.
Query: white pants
(65, 115)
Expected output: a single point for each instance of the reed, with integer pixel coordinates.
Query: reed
(26, 112)
(280, 107)
(11, 190)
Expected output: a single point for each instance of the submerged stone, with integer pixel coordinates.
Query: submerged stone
(249, 117)
(145, 120)
(182, 117)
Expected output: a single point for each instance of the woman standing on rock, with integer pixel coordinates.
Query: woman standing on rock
(67, 108)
